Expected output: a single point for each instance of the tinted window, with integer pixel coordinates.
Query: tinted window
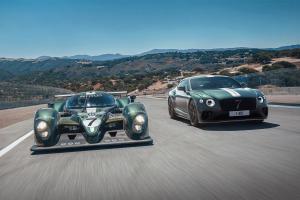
(96, 100)
(213, 83)
(184, 83)
(100, 100)
(75, 102)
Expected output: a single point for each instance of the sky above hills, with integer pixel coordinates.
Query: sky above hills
(31, 28)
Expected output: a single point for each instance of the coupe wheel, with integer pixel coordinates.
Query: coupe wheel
(171, 109)
(193, 114)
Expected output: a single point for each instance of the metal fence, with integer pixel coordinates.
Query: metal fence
(18, 94)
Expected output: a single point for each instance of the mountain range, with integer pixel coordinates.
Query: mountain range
(106, 57)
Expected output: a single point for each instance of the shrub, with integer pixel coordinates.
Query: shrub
(278, 65)
(225, 72)
(247, 70)
(170, 85)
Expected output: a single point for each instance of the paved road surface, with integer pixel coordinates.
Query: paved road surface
(231, 161)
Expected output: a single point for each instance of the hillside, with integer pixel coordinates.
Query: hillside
(134, 72)
(26, 66)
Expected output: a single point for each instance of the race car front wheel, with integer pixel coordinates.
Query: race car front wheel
(193, 114)
(171, 109)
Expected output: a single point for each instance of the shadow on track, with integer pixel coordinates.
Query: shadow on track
(88, 148)
(239, 126)
(233, 126)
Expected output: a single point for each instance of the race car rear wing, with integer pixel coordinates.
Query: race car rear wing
(115, 93)
(118, 93)
(63, 95)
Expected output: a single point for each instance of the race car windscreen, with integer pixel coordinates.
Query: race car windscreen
(75, 102)
(213, 83)
(97, 100)
(100, 100)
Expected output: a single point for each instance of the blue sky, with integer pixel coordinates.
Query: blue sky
(31, 28)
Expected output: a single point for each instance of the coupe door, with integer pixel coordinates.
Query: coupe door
(181, 98)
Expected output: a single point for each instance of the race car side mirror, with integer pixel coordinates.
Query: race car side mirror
(244, 85)
(50, 105)
(132, 98)
(65, 114)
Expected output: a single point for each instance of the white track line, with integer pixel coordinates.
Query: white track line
(283, 106)
(14, 144)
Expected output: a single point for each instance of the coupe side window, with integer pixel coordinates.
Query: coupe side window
(184, 84)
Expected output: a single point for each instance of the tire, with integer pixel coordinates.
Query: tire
(172, 112)
(193, 115)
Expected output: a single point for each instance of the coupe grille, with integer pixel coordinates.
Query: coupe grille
(238, 104)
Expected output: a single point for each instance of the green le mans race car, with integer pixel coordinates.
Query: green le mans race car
(91, 119)
(210, 99)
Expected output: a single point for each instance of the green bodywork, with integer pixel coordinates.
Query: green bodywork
(91, 124)
(182, 99)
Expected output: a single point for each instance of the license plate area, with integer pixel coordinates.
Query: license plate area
(239, 113)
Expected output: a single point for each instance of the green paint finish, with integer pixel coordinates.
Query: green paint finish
(94, 121)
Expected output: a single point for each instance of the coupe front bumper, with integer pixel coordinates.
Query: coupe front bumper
(217, 116)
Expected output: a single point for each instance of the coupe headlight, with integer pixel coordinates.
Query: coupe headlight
(260, 99)
(42, 126)
(139, 119)
(210, 102)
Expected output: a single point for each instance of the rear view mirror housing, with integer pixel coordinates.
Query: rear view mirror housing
(181, 88)
(132, 98)
(50, 105)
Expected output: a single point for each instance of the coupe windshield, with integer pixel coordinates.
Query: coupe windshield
(203, 83)
(95, 100)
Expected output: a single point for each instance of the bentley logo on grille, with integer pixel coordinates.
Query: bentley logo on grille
(238, 102)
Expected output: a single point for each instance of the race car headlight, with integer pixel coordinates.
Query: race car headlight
(210, 102)
(260, 99)
(201, 101)
(42, 126)
(139, 119)
(44, 134)
(138, 123)
(138, 128)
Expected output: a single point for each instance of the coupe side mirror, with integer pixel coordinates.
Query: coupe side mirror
(244, 85)
(181, 88)
(132, 98)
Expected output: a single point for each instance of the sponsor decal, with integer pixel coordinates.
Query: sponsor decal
(91, 110)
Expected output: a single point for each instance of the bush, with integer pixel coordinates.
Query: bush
(170, 85)
(247, 70)
(262, 57)
(225, 72)
(279, 65)
(198, 69)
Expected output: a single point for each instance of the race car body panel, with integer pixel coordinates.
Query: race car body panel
(91, 115)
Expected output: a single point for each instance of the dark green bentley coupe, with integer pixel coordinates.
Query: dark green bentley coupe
(90, 119)
(209, 99)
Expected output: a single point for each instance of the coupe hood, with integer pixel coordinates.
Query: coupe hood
(226, 93)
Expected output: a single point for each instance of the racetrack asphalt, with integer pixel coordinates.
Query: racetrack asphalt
(221, 161)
